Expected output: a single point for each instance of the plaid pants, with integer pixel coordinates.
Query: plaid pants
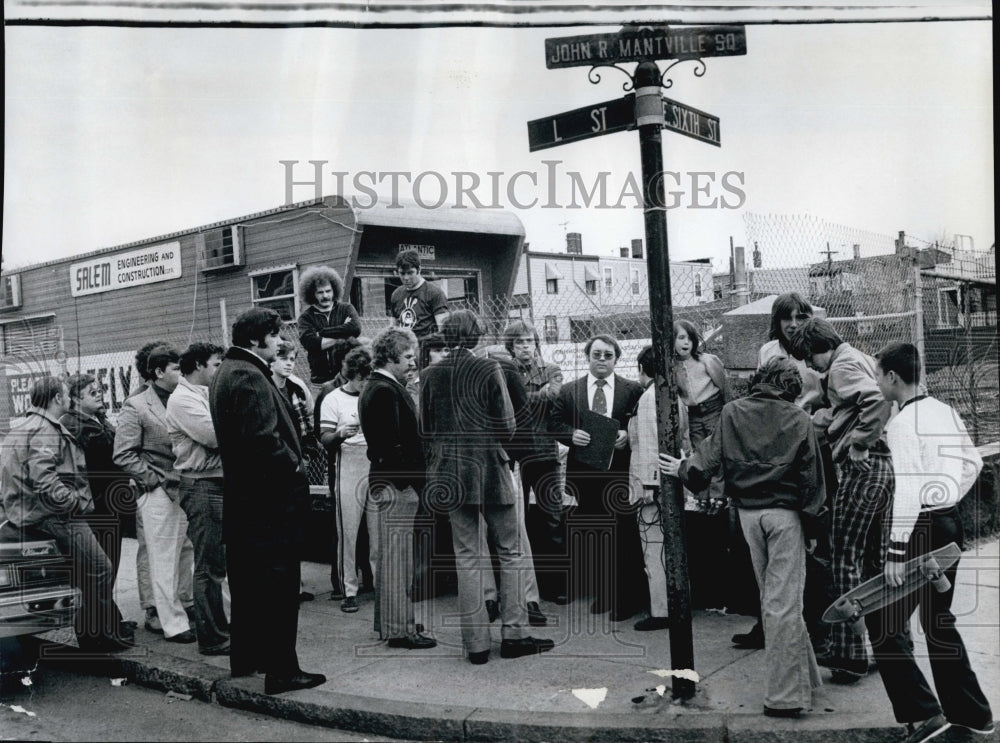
(859, 540)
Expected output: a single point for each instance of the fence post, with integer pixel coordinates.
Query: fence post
(918, 318)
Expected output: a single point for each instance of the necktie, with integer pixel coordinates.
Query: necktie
(600, 404)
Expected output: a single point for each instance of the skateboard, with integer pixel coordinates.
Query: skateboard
(874, 594)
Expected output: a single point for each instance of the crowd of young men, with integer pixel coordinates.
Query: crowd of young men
(214, 451)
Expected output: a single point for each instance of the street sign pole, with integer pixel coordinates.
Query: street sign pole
(649, 118)
(652, 113)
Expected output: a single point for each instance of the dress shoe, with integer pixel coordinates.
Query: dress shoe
(301, 680)
(219, 650)
(492, 610)
(106, 645)
(651, 623)
(792, 712)
(126, 631)
(535, 616)
(117, 644)
(240, 672)
(185, 637)
(480, 658)
(620, 614)
(598, 607)
(414, 641)
(844, 677)
(524, 646)
(752, 640)
(306, 596)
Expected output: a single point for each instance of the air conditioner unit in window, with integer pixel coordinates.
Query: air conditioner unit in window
(221, 248)
(10, 292)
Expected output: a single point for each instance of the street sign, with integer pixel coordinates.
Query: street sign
(615, 115)
(645, 43)
(691, 122)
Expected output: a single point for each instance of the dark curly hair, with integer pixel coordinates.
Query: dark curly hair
(358, 364)
(313, 277)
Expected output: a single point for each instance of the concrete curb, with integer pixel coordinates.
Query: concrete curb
(415, 721)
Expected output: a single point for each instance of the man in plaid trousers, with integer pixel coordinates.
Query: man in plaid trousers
(854, 428)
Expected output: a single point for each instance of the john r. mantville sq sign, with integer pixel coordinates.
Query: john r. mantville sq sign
(645, 42)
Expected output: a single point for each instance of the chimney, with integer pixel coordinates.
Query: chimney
(574, 243)
(637, 248)
(623, 252)
(857, 251)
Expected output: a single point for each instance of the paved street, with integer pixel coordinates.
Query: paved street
(70, 705)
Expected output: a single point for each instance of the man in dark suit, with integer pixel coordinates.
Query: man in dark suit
(467, 416)
(612, 572)
(389, 422)
(265, 505)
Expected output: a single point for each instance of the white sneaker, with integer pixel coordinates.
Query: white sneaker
(152, 623)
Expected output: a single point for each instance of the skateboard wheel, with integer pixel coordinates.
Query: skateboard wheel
(858, 627)
(941, 583)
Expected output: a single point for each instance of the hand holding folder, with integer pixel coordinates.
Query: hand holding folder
(603, 433)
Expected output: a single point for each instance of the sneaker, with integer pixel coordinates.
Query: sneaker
(349, 604)
(967, 731)
(152, 623)
(928, 729)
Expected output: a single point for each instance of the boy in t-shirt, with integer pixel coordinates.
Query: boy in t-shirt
(417, 304)
(340, 429)
(935, 465)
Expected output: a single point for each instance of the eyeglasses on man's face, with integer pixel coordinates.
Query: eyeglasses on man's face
(602, 355)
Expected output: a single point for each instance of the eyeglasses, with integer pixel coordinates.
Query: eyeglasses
(96, 393)
(602, 355)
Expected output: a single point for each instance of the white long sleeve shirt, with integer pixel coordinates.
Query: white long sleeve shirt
(935, 462)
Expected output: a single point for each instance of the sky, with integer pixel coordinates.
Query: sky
(119, 134)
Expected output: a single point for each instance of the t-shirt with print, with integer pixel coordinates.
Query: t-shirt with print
(415, 308)
(340, 408)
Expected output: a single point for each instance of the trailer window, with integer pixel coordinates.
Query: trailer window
(276, 291)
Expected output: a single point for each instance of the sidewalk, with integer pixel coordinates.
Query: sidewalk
(438, 694)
